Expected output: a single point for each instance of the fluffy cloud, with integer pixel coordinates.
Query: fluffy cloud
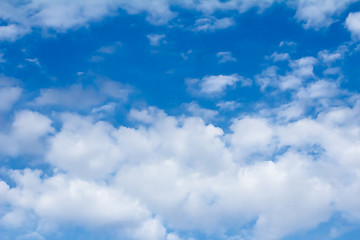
(26, 134)
(276, 57)
(62, 15)
(195, 109)
(353, 23)
(192, 175)
(10, 92)
(263, 174)
(319, 13)
(228, 105)
(60, 199)
(214, 85)
(12, 32)
(301, 69)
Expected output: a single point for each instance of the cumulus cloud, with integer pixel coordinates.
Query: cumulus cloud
(12, 32)
(195, 176)
(214, 85)
(87, 203)
(301, 70)
(319, 13)
(263, 174)
(26, 135)
(353, 23)
(330, 57)
(276, 57)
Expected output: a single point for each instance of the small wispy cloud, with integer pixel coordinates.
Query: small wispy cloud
(212, 24)
(33, 60)
(156, 39)
(225, 57)
(277, 57)
(109, 49)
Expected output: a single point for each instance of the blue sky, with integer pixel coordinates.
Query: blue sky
(180, 119)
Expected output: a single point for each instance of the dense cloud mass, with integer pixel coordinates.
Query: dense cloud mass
(194, 175)
(86, 156)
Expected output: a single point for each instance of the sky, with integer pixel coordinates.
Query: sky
(180, 119)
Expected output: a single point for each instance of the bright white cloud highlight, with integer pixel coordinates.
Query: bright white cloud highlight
(318, 13)
(301, 70)
(353, 23)
(192, 175)
(12, 32)
(26, 134)
(215, 85)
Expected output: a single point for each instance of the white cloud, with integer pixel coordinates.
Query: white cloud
(353, 23)
(61, 199)
(150, 230)
(195, 109)
(330, 57)
(146, 115)
(82, 96)
(251, 136)
(67, 97)
(80, 146)
(26, 135)
(301, 70)
(156, 39)
(212, 24)
(276, 57)
(304, 67)
(193, 175)
(228, 105)
(214, 85)
(12, 32)
(287, 44)
(316, 13)
(225, 57)
(62, 15)
(8, 96)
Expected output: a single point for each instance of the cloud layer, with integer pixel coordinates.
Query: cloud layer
(61, 15)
